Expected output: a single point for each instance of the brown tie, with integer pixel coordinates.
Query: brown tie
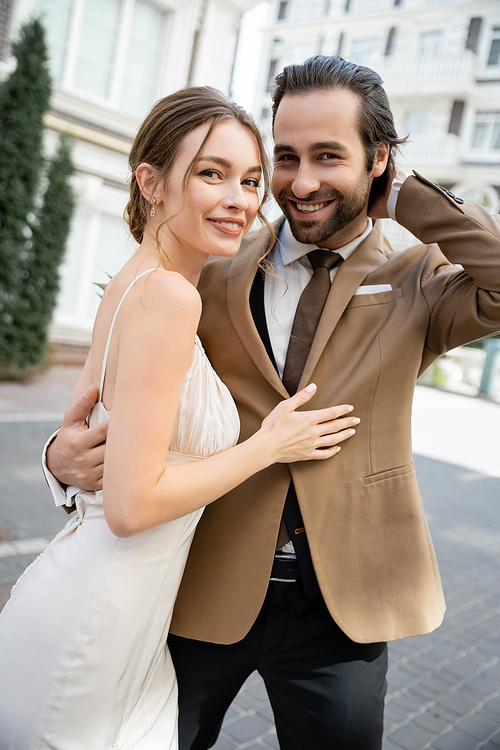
(309, 309)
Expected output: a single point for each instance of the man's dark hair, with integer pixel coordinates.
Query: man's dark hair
(376, 122)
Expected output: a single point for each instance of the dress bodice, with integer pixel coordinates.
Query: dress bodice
(207, 420)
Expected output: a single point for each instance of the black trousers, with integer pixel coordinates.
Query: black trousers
(326, 691)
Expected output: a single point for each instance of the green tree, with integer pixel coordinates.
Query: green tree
(40, 264)
(27, 257)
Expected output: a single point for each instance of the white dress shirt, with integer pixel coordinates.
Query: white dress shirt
(282, 291)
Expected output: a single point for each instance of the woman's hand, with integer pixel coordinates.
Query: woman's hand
(305, 435)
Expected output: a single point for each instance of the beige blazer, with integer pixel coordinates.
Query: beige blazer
(362, 511)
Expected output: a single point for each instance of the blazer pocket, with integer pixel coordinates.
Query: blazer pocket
(389, 473)
(380, 298)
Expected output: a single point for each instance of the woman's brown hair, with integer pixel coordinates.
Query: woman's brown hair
(160, 136)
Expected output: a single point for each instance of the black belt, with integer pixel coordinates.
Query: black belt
(285, 570)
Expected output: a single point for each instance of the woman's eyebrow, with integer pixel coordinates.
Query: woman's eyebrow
(225, 163)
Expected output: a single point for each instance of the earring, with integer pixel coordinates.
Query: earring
(153, 208)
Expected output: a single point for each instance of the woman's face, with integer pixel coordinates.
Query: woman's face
(221, 201)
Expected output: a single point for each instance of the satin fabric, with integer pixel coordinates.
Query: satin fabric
(83, 656)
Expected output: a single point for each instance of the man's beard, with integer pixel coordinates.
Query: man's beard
(349, 206)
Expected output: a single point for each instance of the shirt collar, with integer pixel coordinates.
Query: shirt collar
(291, 249)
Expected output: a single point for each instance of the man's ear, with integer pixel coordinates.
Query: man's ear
(380, 160)
(147, 180)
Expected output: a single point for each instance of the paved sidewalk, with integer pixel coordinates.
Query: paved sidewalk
(444, 688)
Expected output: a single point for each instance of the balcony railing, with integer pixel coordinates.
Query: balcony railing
(426, 74)
(433, 149)
(301, 12)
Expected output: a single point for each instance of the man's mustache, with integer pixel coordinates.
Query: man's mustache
(317, 197)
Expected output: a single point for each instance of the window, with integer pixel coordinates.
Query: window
(340, 43)
(362, 50)
(110, 49)
(415, 122)
(486, 132)
(457, 112)
(494, 56)
(430, 43)
(389, 47)
(271, 74)
(473, 34)
(282, 9)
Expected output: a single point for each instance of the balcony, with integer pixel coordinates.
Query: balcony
(309, 11)
(433, 149)
(435, 74)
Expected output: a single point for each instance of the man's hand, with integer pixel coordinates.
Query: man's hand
(76, 456)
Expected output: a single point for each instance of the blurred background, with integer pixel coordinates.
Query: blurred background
(110, 60)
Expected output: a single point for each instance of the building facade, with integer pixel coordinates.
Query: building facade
(110, 61)
(440, 63)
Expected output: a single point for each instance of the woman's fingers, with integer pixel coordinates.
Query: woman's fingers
(301, 397)
(324, 441)
(337, 425)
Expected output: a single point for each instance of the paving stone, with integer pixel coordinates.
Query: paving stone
(483, 684)
(433, 724)
(225, 743)
(493, 671)
(271, 740)
(410, 736)
(395, 713)
(245, 701)
(490, 647)
(389, 745)
(246, 728)
(458, 702)
(477, 726)
(463, 667)
(399, 678)
(455, 741)
(266, 711)
(493, 706)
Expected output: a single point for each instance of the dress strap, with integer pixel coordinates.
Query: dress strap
(108, 342)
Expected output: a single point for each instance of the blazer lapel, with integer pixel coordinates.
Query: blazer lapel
(240, 280)
(351, 274)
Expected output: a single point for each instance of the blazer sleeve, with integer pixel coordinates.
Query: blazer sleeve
(460, 279)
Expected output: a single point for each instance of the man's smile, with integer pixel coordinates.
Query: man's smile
(308, 208)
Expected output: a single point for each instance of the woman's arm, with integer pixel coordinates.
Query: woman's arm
(155, 351)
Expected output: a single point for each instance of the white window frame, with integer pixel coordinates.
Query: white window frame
(431, 42)
(118, 66)
(495, 37)
(490, 119)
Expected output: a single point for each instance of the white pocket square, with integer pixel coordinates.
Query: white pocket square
(373, 289)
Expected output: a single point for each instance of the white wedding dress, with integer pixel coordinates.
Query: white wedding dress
(83, 658)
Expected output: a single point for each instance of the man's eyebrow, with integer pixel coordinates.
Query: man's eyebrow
(327, 146)
(227, 164)
(283, 147)
(317, 146)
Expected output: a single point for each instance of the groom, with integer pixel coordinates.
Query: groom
(305, 571)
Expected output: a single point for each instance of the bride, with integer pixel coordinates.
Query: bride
(83, 657)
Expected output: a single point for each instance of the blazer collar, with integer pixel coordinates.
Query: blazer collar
(365, 259)
(240, 280)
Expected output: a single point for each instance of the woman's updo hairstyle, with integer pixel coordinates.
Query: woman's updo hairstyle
(160, 136)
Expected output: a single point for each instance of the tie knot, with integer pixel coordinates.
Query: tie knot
(324, 259)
